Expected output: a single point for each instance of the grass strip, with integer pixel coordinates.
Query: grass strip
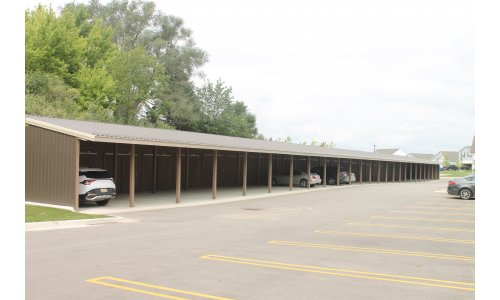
(42, 214)
(455, 173)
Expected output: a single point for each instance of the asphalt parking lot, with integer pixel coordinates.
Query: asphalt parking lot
(379, 241)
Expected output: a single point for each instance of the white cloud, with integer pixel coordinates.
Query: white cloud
(398, 74)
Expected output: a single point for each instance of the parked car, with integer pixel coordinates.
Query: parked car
(96, 185)
(442, 169)
(454, 168)
(299, 178)
(464, 187)
(331, 174)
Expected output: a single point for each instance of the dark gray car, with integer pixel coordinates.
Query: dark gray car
(464, 187)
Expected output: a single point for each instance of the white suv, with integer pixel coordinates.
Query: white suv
(96, 185)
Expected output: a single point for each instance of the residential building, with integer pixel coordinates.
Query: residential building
(473, 152)
(421, 155)
(452, 157)
(466, 157)
(391, 151)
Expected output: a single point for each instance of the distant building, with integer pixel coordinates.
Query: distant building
(466, 157)
(473, 152)
(391, 151)
(452, 157)
(421, 155)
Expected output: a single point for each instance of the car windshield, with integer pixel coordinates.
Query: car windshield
(96, 174)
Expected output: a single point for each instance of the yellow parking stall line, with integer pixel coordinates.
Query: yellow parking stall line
(440, 207)
(422, 238)
(448, 203)
(373, 250)
(451, 199)
(98, 281)
(430, 212)
(415, 227)
(422, 219)
(349, 273)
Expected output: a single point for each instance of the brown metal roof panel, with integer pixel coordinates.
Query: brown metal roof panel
(128, 132)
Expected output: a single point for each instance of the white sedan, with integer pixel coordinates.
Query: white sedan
(299, 178)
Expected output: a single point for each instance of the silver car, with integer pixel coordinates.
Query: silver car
(464, 187)
(299, 178)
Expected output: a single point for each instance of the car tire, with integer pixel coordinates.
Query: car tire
(303, 183)
(102, 202)
(274, 182)
(313, 185)
(331, 181)
(465, 194)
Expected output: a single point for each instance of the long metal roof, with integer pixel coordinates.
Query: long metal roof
(127, 134)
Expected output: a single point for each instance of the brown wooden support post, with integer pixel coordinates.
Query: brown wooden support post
(360, 172)
(258, 168)
(214, 176)
(378, 169)
(393, 171)
(270, 173)
(115, 173)
(420, 173)
(406, 170)
(155, 163)
(400, 172)
(411, 172)
(245, 164)
(370, 175)
(386, 170)
(291, 172)
(350, 170)
(238, 170)
(338, 172)
(308, 172)
(178, 156)
(324, 171)
(77, 175)
(132, 175)
(187, 169)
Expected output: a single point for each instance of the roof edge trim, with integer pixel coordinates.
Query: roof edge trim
(78, 134)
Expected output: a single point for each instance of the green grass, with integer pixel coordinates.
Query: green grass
(455, 173)
(42, 214)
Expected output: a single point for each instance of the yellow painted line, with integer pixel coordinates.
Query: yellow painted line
(373, 250)
(415, 227)
(97, 280)
(406, 237)
(430, 212)
(422, 219)
(394, 278)
(449, 203)
(440, 207)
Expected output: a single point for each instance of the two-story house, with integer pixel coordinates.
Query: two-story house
(452, 157)
(465, 155)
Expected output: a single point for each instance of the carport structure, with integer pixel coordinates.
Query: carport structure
(149, 159)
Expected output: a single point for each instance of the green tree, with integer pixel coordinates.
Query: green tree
(138, 77)
(458, 163)
(74, 49)
(138, 23)
(446, 161)
(53, 45)
(220, 114)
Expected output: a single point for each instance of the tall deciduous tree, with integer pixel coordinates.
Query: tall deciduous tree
(220, 114)
(138, 76)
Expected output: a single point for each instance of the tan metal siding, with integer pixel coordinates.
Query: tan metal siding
(50, 167)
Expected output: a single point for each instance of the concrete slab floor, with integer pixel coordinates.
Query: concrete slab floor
(146, 200)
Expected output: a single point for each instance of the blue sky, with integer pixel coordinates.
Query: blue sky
(398, 74)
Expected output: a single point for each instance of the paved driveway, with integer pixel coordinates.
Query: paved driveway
(379, 241)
